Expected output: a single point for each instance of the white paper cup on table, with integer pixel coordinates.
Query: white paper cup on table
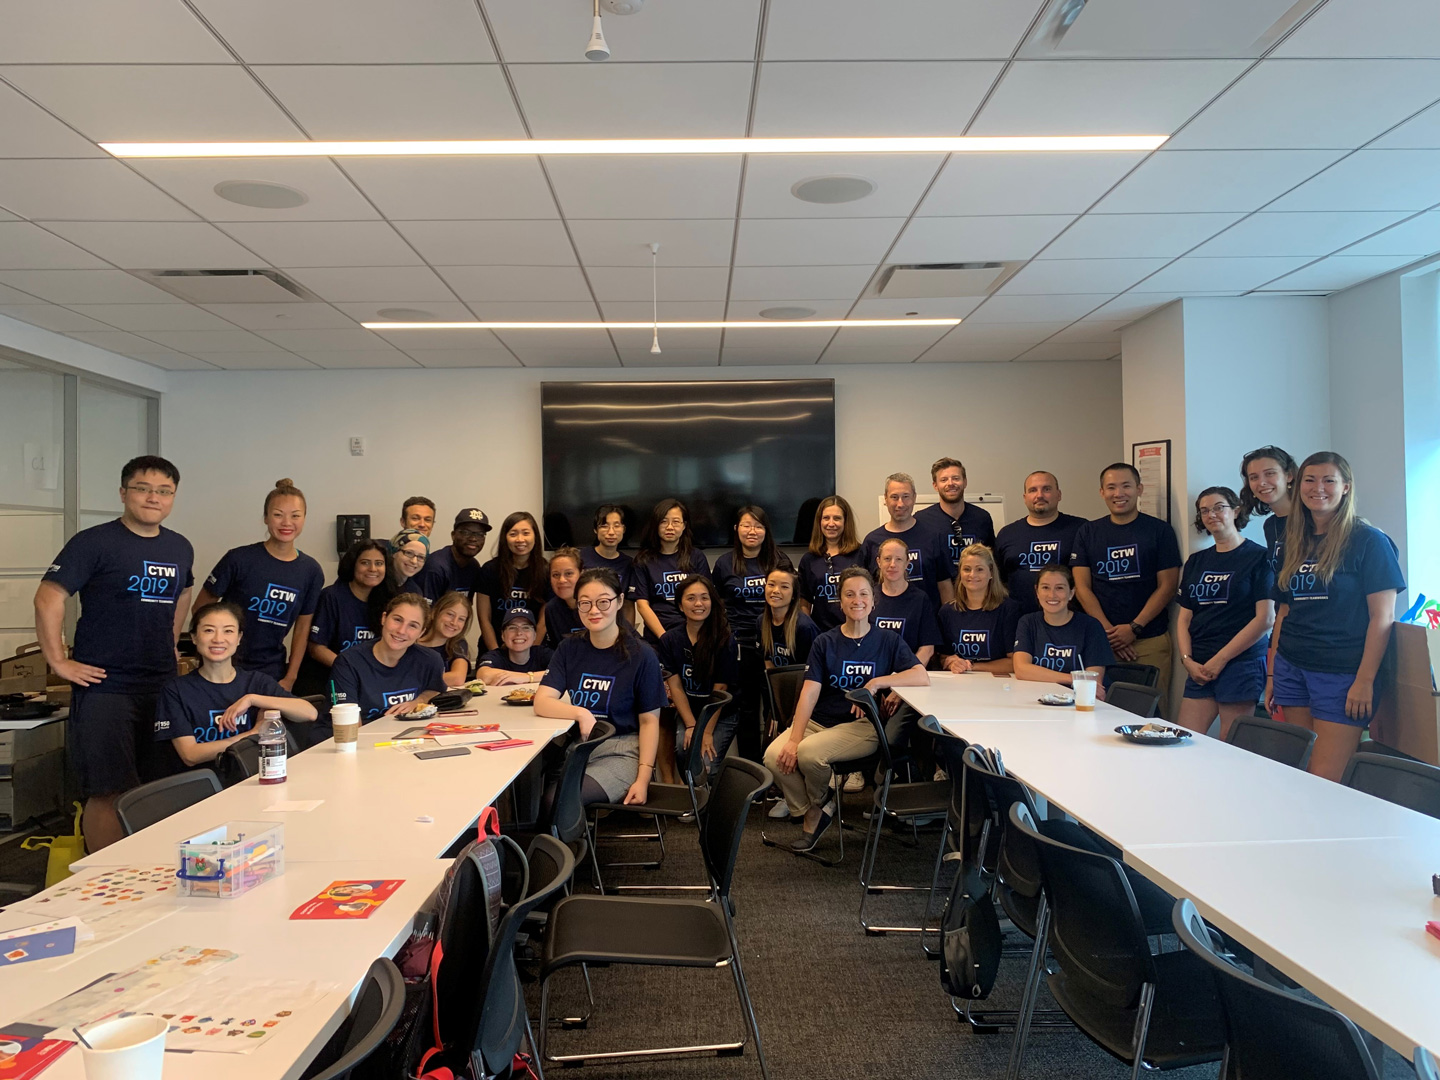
(345, 719)
(131, 1048)
(1084, 683)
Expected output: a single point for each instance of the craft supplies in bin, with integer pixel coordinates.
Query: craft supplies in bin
(231, 859)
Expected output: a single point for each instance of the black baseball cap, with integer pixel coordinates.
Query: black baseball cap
(472, 516)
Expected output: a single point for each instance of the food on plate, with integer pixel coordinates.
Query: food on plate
(521, 693)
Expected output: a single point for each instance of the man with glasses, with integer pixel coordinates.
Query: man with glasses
(133, 577)
(455, 567)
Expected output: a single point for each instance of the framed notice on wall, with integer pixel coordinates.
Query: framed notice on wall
(1152, 461)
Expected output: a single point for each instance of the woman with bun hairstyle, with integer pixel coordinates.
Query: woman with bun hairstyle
(276, 586)
(517, 577)
(1268, 476)
(1335, 594)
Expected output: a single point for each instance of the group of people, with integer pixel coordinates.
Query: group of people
(1299, 624)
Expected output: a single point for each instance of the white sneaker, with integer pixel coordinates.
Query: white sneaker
(854, 782)
(779, 811)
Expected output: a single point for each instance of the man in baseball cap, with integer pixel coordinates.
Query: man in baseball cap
(455, 567)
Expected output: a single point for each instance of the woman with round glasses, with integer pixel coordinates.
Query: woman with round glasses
(408, 551)
(1226, 611)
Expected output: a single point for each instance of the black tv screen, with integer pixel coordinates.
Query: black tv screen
(716, 446)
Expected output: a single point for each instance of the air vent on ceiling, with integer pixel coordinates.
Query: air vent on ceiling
(228, 286)
(942, 280)
(1162, 28)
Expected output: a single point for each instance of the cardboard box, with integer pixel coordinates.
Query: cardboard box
(36, 787)
(27, 661)
(23, 684)
(1408, 716)
(20, 744)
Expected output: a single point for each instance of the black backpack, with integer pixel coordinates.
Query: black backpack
(970, 936)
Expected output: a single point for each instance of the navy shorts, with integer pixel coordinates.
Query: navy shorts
(110, 739)
(1322, 692)
(1242, 679)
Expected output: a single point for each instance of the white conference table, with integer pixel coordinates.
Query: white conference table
(1329, 885)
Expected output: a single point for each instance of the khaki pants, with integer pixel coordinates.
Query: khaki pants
(1158, 651)
(809, 784)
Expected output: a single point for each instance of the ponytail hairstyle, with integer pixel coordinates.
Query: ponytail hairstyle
(792, 615)
(447, 601)
(1252, 506)
(283, 488)
(849, 540)
(535, 575)
(627, 640)
(714, 631)
(649, 543)
(1302, 544)
(769, 556)
(1242, 516)
(226, 607)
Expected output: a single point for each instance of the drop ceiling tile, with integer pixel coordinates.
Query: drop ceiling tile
(86, 287)
(359, 358)
(636, 343)
(1367, 28)
(1128, 307)
(1043, 183)
(454, 187)
(1298, 233)
(670, 310)
(955, 307)
(158, 244)
(1421, 132)
(397, 101)
(438, 311)
(159, 103)
(1064, 309)
(988, 342)
(973, 355)
(1079, 276)
(646, 187)
(530, 33)
(1340, 272)
(463, 358)
(516, 282)
(1195, 181)
(305, 342)
(907, 340)
(173, 361)
(735, 356)
(899, 179)
(1070, 350)
(416, 342)
(1370, 180)
(490, 243)
(143, 318)
(673, 283)
(661, 101)
(910, 29)
(28, 131)
(790, 339)
(324, 243)
(879, 353)
(567, 358)
(83, 190)
(5, 215)
(53, 317)
(533, 343)
(799, 282)
(276, 361)
(702, 242)
(118, 341)
(209, 341)
(1231, 275)
(774, 242)
(106, 32)
(330, 196)
(9, 295)
(1136, 236)
(351, 31)
(373, 284)
(749, 310)
(535, 311)
(1003, 238)
(1102, 97)
(671, 358)
(283, 316)
(1415, 237)
(29, 247)
(1090, 331)
(860, 98)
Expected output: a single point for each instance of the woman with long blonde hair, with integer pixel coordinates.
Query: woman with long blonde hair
(977, 628)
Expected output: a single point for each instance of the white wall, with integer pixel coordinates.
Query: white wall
(471, 437)
(1152, 361)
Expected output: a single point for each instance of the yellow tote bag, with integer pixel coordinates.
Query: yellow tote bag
(63, 850)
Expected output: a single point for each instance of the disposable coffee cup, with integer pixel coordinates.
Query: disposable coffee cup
(132, 1048)
(1084, 683)
(345, 719)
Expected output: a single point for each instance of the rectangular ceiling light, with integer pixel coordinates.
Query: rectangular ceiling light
(959, 144)
(764, 324)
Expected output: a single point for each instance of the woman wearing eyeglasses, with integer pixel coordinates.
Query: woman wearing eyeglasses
(1226, 611)
(609, 674)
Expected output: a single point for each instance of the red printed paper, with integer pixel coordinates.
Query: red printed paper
(347, 900)
(23, 1057)
(436, 728)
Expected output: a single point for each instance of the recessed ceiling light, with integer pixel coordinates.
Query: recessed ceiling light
(787, 314)
(406, 314)
(832, 189)
(732, 324)
(947, 144)
(261, 193)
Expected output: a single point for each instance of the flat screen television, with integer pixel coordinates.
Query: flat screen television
(716, 446)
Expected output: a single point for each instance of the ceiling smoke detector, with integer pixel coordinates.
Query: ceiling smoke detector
(407, 314)
(787, 314)
(262, 194)
(622, 7)
(832, 189)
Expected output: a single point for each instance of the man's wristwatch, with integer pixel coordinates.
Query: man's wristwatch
(1135, 628)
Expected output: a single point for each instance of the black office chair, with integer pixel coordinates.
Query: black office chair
(1274, 739)
(1143, 701)
(1142, 674)
(241, 759)
(143, 806)
(782, 694)
(1397, 780)
(667, 933)
(373, 1016)
(1272, 1034)
(1151, 1012)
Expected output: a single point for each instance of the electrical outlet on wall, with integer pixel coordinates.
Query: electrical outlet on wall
(357, 446)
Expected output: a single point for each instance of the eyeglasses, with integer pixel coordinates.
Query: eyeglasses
(146, 489)
(1216, 510)
(603, 604)
(412, 556)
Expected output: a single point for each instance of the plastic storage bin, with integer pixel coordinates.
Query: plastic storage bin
(231, 859)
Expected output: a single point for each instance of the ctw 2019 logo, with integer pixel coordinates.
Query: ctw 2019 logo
(593, 693)
(853, 674)
(276, 605)
(157, 583)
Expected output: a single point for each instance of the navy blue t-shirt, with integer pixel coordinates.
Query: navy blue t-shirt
(192, 705)
(973, 526)
(499, 659)
(620, 565)
(1221, 589)
(1080, 643)
(462, 652)
(820, 586)
(518, 596)
(929, 557)
(443, 573)
(273, 594)
(341, 620)
(677, 657)
(360, 678)
(657, 579)
(806, 632)
(1325, 627)
(128, 586)
(1124, 563)
(743, 589)
(613, 688)
(911, 615)
(841, 664)
(1274, 529)
(979, 635)
(1023, 550)
(561, 620)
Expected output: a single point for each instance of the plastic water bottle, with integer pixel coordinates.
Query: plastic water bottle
(272, 748)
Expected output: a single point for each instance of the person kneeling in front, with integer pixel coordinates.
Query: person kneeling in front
(826, 726)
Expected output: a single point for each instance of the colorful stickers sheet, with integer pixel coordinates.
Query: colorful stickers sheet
(348, 899)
